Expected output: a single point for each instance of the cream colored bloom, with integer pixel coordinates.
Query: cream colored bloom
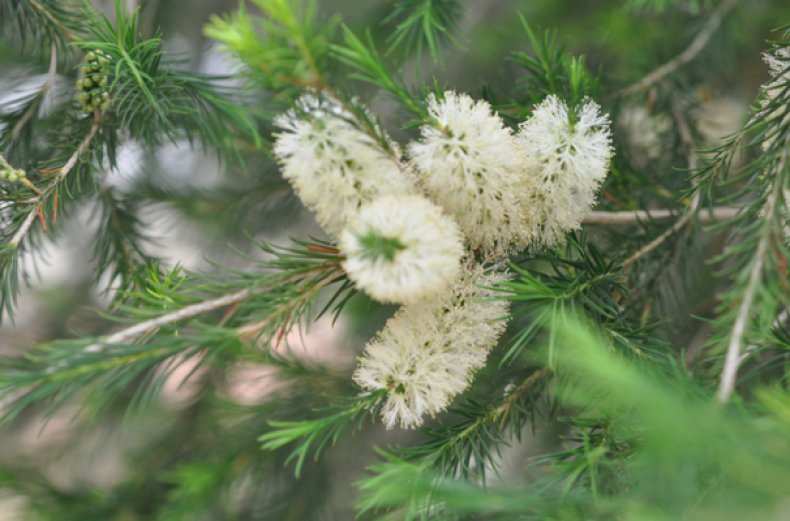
(468, 163)
(568, 161)
(779, 65)
(402, 249)
(428, 353)
(333, 166)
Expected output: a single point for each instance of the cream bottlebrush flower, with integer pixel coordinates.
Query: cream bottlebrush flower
(334, 167)
(569, 160)
(469, 164)
(402, 249)
(779, 65)
(427, 353)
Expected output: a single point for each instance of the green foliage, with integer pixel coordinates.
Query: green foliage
(165, 330)
(183, 104)
(369, 66)
(293, 53)
(599, 402)
(662, 5)
(316, 435)
(552, 70)
(37, 21)
(759, 251)
(120, 242)
(422, 25)
(9, 279)
(147, 100)
(582, 280)
(734, 465)
(471, 447)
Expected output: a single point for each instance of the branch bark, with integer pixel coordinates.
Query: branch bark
(132, 332)
(23, 230)
(719, 213)
(733, 358)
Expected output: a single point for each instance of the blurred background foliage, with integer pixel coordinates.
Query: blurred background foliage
(195, 454)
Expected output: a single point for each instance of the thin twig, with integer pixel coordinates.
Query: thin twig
(148, 326)
(64, 171)
(519, 391)
(45, 12)
(716, 214)
(691, 52)
(733, 358)
(688, 141)
(501, 412)
(655, 243)
(132, 332)
(22, 231)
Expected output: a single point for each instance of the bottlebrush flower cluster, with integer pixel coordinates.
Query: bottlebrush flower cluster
(428, 352)
(431, 230)
(334, 166)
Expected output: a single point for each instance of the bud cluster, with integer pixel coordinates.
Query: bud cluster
(93, 83)
(9, 173)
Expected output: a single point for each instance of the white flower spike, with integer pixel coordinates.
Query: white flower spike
(428, 353)
(402, 249)
(333, 166)
(569, 160)
(779, 64)
(469, 164)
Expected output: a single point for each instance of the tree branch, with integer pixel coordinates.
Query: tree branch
(148, 326)
(733, 357)
(691, 52)
(132, 332)
(45, 13)
(23, 230)
(719, 213)
(688, 141)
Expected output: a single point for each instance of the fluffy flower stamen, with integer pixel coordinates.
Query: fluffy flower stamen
(402, 249)
(468, 163)
(428, 353)
(333, 166)
(568, 154)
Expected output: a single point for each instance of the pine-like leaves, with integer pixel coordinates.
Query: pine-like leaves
(167, 324)
(146, 100)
